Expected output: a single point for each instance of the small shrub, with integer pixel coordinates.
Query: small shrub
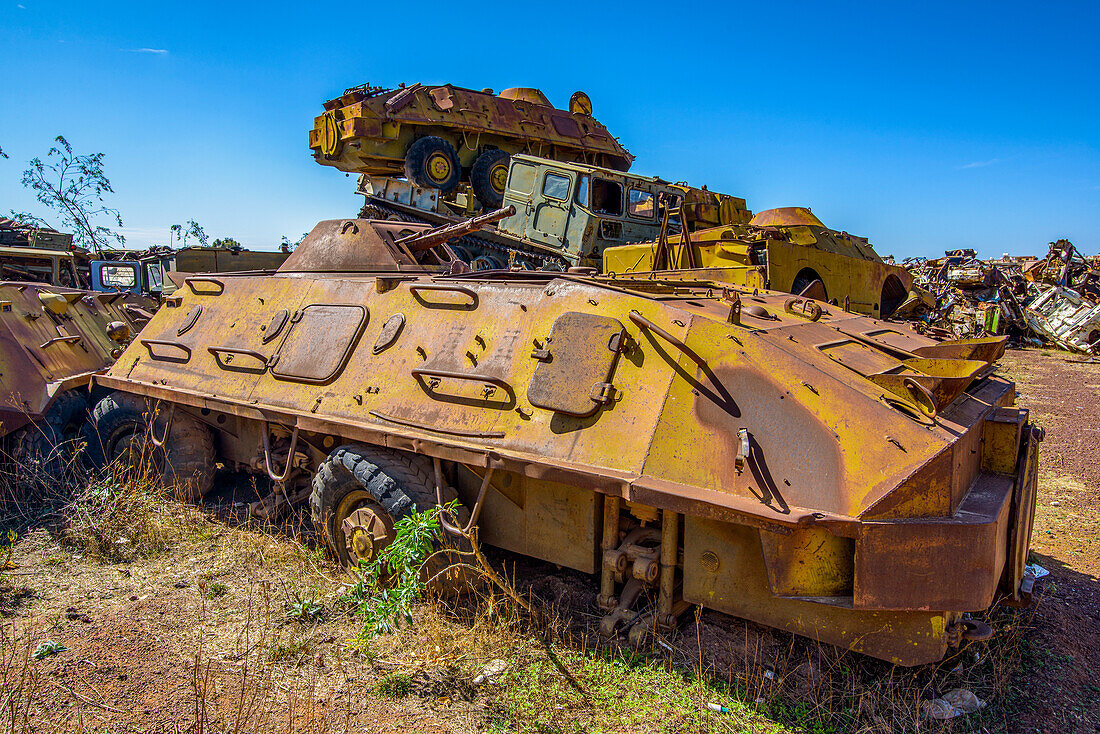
(394, 685)
(305, 611)
(216, 589)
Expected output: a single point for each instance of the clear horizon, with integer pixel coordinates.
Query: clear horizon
(922, 128)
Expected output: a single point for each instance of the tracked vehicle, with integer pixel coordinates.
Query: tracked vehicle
(772, 457)
(52, 340)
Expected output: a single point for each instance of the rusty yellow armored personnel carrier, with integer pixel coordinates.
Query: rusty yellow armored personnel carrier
(52, 340)
(437, 136)
(772, 457)
(787, 249)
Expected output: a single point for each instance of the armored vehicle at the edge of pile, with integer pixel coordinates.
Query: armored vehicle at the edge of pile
(52, 340)
(786, 249)
(768, 456)
(565, 213)
(437, 136)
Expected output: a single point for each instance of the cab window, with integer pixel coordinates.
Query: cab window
(641, 204)
(118, 276)
(582, 191)
(522, 178)
(607, 197)
(156, 279)
(556, 186)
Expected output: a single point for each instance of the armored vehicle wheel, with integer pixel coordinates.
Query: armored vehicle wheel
(432, 162)
(120, 432)
(44, 449)
(489, 178)
(359, 494)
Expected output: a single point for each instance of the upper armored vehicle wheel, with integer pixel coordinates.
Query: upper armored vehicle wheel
(359, 494)
(432, 162)
(489, 178)
(44, 449)
(121, 431)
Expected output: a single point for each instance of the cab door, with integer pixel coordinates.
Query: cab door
(550, 213)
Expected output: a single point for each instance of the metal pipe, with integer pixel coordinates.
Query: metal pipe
(609, 542)
(475, 513)
(670, 551)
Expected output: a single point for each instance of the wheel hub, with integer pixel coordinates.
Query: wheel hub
(438, 167)
(367, 531)
(498, 178)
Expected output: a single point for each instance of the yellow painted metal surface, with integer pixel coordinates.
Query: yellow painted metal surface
(740, 410)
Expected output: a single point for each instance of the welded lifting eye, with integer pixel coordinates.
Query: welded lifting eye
(349, 225)
(922, 396)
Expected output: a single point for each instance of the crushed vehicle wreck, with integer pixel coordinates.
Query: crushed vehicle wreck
(1055, 299)
(772, 457)
(52, 340)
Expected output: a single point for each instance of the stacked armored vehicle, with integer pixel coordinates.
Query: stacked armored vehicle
(770, 456)
(438, 136)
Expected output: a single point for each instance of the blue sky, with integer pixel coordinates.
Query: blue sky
(921, 126)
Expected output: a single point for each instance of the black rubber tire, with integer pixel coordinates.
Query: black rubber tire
(481, 178)
(187, 461)
(190, 461)
(416, 163)
(397, 480)
(43, 450)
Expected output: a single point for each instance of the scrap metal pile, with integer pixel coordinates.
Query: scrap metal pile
(1053, 300)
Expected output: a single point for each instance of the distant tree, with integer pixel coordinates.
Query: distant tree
(181, 233)
(287, 246)
(74, 186)
(228, 243)
(29, 220)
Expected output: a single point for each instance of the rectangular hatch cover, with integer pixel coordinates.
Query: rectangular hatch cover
(576, 364)
(319, 343)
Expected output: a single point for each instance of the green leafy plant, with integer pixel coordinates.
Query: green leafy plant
(47, 648)
(215, 590)
(304, 611)
(390, 586)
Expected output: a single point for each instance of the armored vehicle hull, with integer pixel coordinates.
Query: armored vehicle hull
(52, 340)
(439, 136)
(785, 249)
(771, 457)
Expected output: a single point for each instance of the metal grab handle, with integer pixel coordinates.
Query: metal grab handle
(440, 287)
(71, 339)
(475, 513)
(167, 426)
(289, 458)
(419, 372)
(202, 279)
(234, 350)
(645, 323)
(150, 343)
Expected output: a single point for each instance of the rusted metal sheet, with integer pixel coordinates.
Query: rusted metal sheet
(53, 340)
(813, 497)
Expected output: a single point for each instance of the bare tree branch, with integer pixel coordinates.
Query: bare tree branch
(74, 187)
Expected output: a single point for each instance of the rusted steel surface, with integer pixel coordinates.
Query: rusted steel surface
(814, 498)
(369, 129)
(53, 340)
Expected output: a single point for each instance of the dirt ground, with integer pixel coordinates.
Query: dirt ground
(200, 637)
